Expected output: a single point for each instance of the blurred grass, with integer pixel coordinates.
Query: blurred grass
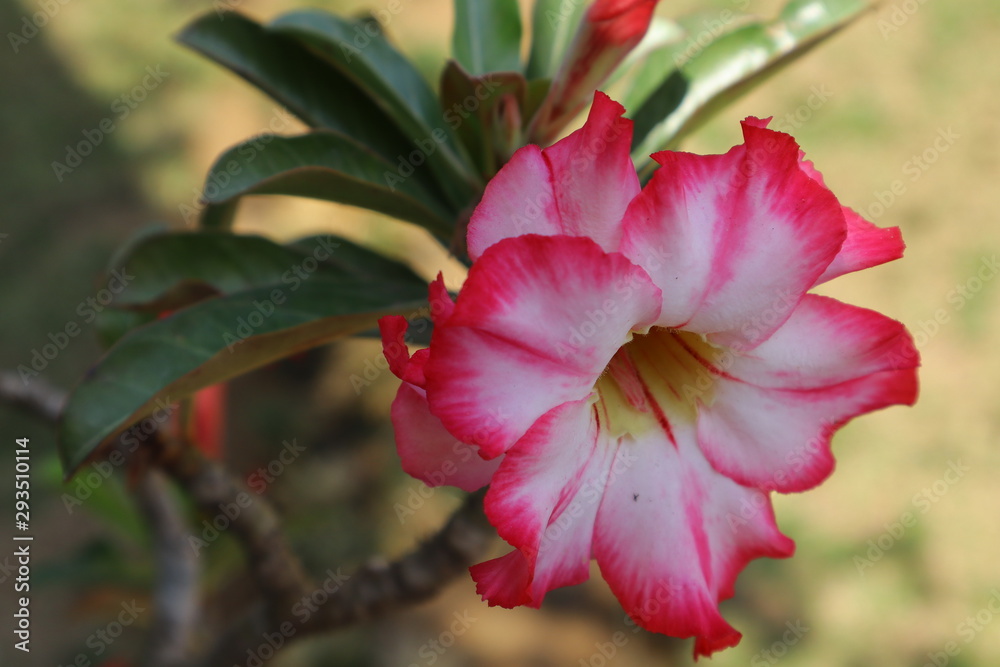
(892, 92)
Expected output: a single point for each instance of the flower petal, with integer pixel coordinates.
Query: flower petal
(393, 329)
(518, 200)
(594, 174)
(426, 449)
(672, 535)
(431, 454)
(771, 417)
(579, 186)
(823, 343)
(534, 326)
(503, 581)
(866, 246)
(544, 498)
(712, 232)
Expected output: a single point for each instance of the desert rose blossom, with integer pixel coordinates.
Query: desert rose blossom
(657, 364)
(610, 29)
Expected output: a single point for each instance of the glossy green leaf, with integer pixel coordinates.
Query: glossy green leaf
(659, 104)
(554, 24)
(156, 365)
(739, 60)
(328, 166)
(303, 83)
(173, 270)
(111, 324)
(487, 36)
(395, 85)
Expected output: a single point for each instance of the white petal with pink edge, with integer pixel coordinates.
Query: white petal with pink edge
(535, 325)
(780, 439)
(823, 343)
(727, 237)
(773, 409)
(579, 186)
(544, 498)
(672, 535)
(518, 200)
(594, 176)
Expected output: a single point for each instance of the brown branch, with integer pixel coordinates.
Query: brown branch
(337, 601)
(38, 396)
(373, 590)
(376, 589)
(276, 569)
(175, 600)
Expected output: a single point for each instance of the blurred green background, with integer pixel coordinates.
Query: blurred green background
(897, 557)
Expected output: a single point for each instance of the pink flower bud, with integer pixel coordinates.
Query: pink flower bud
(609, 31)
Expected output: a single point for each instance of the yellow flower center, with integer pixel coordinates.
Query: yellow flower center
(656, 379)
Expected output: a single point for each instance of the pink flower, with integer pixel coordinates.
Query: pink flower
(649, 365)
(609, 31)
(427, 451)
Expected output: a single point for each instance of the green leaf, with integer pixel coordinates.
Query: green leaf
(659, 105)
(487, 36)
(152, 367)
(172, 270)
(294, 77)
(739, 60)
(475, 121)
(666, 46)
(395, 85)
(111, 324)
(554, 24)
(329, 166)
